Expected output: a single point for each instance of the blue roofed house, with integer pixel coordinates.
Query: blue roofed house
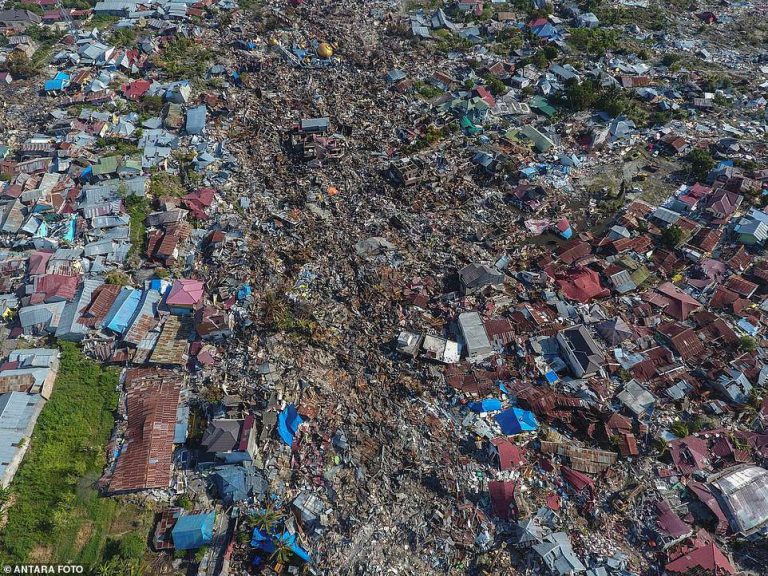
(734, 385)
(193, 531)
(753, 229)
(237, 483)
(123, 309)
(58, 83)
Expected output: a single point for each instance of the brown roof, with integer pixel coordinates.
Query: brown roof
(171, 347)
(573, 250)
(741, 285)
(103, 298)
(635, 81)
(152, 398)
(741, 260)
(707, 239)
(684, 340)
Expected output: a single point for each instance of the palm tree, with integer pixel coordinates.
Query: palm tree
(266, 518)
(282, 555)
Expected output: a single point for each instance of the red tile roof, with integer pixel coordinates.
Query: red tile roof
(705, 556)
(136, 89)
(582, 285)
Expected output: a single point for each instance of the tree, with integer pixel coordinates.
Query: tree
(579, 95)
(701, 163)
(679, 429)
(200, 554)
(283, 554)
(747, 344)
(267, 518)
(672, 235)
(19, 65)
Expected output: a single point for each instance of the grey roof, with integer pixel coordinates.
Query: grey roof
(18, 414)
(475, 337)
(636, 398)
(46, 316)
(196, 119)
(581, 344)
(614, 331)
(666, 215)
(314, 123)
(476, 276)
(37, 357)
(69, 327)
(744, 492)
(222, 435)
(557, 554)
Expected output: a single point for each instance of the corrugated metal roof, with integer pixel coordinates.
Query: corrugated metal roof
(744, 489)
(123, 310)
(18, 414)
(152, 398)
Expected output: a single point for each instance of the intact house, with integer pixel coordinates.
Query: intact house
(581, 352)
(476, 340)
(232, 441)
(184, 297)
(18, 19)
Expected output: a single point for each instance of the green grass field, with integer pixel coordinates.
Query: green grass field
(57, 515)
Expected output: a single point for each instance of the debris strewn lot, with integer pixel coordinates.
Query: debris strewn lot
(434, 287)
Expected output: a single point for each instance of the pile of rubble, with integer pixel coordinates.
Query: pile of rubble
(447, 287)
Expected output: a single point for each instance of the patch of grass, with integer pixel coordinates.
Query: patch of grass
(57, 513)
(102, 21)
(166, 184)
(183, 58)
(138, 209)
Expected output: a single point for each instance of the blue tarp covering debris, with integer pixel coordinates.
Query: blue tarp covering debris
(244, 292)
(288, 422)
(516, 420)
(262, 541)
(193, 531)
(487, 405)
(266, 543)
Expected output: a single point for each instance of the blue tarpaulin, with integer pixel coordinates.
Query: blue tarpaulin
(243, 292)
(516, 420)
(487, 405)
(262, 541)
(265, 542)
(193, 531)
(58, 82)
(551, 377)
(290, 540)
(288, 422)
